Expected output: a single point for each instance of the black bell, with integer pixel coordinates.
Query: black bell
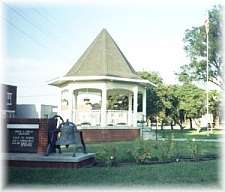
(67, 134)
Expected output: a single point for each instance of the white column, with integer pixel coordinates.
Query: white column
(135, 91)
(75, 106)
(103, 107)
(144, 104)
(129, 109)
(71, 102)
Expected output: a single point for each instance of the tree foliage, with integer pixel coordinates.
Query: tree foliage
(153, 101)
(162, 104)
(170, 103)
(192, 100)
(152, 76)
(117, 102)
(154, 104)
(196, 49)
(175, 103)
(215, 104)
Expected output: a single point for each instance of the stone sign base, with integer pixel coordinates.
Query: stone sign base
(56, 160)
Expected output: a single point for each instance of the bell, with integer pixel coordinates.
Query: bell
(67, 134)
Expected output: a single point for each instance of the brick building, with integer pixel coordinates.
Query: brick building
(8, 100)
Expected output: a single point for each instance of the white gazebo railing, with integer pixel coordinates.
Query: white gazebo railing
(117, 117)
(92, 117)
(113, 117)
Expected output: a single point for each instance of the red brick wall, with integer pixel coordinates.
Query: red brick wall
(99, 135)
(42, 140)
(89, 135)
(42, 136)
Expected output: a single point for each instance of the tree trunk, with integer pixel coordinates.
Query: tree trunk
(171, 125)
(198, 124)
(215, 123)
(157, 121)
(162, 125)
(179, 123)
(181, 119)
(191, 127)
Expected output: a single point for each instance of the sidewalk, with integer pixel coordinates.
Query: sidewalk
(151, 135)
(204, 140)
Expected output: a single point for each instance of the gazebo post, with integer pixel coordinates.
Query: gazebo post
(75, 93)
(103, 107)
(129, 109)
(144, 104)
(135, 92)
(71, 102)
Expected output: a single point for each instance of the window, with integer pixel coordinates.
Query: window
(9, 98)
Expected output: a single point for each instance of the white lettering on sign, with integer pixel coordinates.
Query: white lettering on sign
(22, 140)
(23, 126)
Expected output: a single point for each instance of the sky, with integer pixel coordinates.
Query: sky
(42, 41)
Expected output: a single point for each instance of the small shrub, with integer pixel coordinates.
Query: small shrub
(101, 155)
(173, 152)
(163, 150)
(195, 150)
(108, 156)
(178, 152)
(167, 149)
(141, 152)
(130, 155)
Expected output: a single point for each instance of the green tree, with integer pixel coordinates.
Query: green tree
(154, 104)
(195, 47)
(162, 104)
(191, 101)
(170, 104)
(152, 76)
(117, 102)
(215, 102)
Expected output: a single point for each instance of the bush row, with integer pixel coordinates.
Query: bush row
(148, 151)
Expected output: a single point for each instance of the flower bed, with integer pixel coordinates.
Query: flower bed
(152, 152)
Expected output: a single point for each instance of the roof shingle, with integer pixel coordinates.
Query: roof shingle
(103, 58)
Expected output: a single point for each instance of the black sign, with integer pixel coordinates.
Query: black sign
(22, 140)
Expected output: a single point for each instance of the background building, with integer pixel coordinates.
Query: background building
(8, 102)
(35, 111)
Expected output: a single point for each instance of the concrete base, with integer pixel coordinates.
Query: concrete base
(55, 160)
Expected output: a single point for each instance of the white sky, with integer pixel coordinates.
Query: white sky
(42, 41)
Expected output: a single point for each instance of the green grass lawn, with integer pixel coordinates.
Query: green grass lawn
(203, 174)
(189, 134)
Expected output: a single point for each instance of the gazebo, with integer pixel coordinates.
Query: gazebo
(102, 72)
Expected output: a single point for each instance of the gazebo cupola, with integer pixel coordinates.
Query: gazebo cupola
(102, 72)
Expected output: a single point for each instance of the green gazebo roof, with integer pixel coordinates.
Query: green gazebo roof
(103, 58)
